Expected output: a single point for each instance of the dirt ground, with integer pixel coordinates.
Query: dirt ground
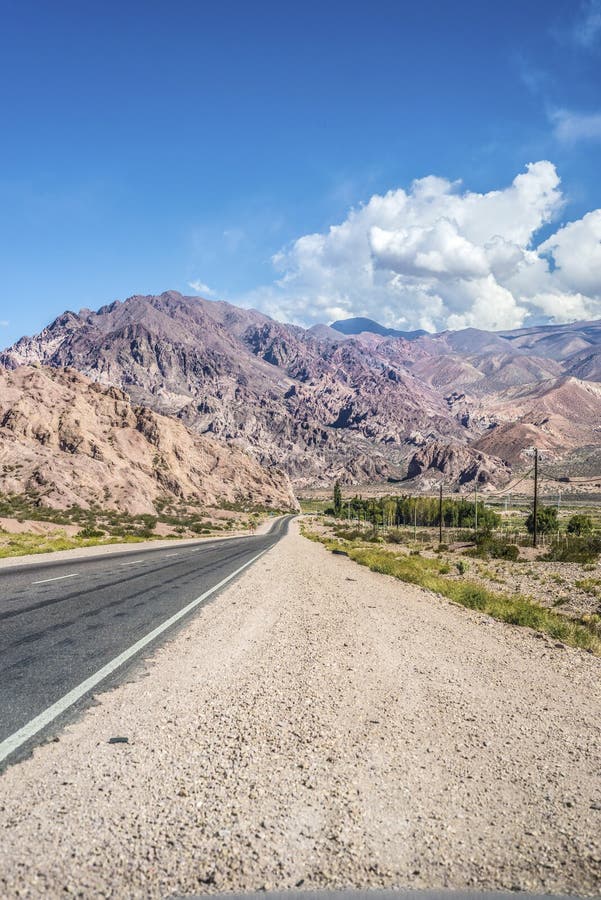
(321, 726)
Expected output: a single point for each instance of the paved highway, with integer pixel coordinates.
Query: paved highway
(67, 627)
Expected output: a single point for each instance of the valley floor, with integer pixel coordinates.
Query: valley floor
(319, 725)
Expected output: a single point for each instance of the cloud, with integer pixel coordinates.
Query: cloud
(4, 323)
(201, 288)
(438, 256)
(576, 253)
(439, 251)
(570, 127)
(587, 29)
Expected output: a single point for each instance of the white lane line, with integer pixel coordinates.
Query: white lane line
(170, 554)
(58, 578)
(16, 740)
(134, 562)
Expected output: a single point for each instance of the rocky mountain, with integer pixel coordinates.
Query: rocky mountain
(318, 408)
(321, 404)
(458, 465)
(68, 440)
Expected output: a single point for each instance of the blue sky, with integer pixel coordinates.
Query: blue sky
(151, 145)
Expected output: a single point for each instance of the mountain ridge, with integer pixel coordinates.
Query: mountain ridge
(360, 324)
(355, 408)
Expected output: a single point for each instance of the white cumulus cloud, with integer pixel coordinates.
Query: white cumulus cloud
(437, 256)
(576, 252)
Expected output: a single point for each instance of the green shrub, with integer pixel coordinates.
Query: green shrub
(580, 525)
(90, 532)
(579, 550)
(503, 550)
(495, 548)
(546, 520)
(589, 585)
(348, 534)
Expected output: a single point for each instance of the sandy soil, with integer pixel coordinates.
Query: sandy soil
(319, 725)
(33, 526)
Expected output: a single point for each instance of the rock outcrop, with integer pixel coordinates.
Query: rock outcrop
(66, 440)
(458, 465)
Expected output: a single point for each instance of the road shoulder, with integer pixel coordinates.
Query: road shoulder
(321, 726)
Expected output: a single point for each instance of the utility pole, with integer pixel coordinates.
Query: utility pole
(476, 507)
(535, 510)
(415, 520)
(440, 515)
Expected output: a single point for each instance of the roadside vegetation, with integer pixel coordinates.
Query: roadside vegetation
(25, 543)
(554, 589)
(437, 575)
(35, 528)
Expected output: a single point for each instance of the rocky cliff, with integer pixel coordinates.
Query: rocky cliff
(67, 440)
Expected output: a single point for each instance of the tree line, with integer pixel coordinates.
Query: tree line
(392, 512)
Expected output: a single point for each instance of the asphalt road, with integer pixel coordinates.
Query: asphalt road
(68, 627)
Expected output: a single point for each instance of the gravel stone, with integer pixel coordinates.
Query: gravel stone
(309, 731)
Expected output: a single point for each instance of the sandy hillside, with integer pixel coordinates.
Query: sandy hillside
(70, 441)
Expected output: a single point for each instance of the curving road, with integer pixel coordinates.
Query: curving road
(67, 627)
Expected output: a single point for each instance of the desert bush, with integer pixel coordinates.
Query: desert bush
(348, 534)
(90, 532)
(199, 528)
(580, 525)
(504, 550)
(496, 548)
(588, 585)
(578, 550)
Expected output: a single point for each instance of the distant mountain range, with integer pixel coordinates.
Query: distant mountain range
(359, 325)
(353, 401)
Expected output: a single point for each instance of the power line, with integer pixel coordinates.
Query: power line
(510, 487)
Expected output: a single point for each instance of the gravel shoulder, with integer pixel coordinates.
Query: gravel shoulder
(321, 726)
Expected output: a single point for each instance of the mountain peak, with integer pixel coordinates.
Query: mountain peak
(360, 324)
